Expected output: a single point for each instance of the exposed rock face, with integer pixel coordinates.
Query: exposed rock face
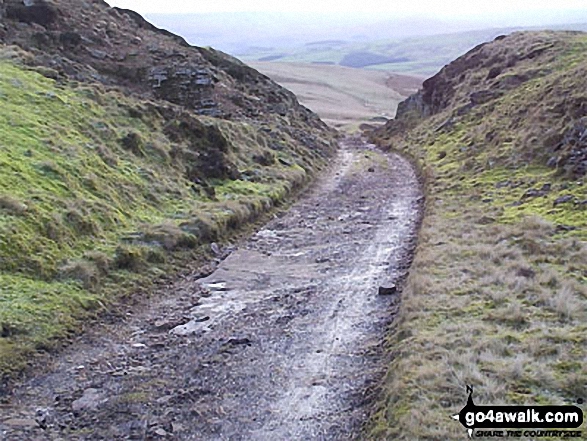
(547, 106)
(191, 87)
(492, 59)
(206, 156)
(572, 150)
(31, 11)
(86, 40)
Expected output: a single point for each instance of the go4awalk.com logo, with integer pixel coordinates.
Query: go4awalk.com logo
(520, 421)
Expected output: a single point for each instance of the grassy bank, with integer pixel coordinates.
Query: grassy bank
(497, 295)
(101, 193)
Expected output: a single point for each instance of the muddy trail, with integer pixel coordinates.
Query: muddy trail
(280, 342)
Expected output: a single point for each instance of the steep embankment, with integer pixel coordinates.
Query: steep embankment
(497, 295)
(124, 151)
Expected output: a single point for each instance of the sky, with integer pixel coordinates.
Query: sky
(439, 8)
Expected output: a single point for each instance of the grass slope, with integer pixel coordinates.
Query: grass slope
(99, 194)
(497, 295)
(343, 97)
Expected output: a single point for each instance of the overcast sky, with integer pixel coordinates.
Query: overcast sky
(453, 8)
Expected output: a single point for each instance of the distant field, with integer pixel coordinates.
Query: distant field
(423, 56)
(342, 96)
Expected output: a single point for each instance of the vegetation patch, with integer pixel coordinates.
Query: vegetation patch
(497, 296)
(101, 193)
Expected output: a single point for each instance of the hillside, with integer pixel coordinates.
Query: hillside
(422, 55)
(344, 98)
(124, 153)
(497, 295)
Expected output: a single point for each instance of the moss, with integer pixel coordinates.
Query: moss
(100, 193)
(502, 298)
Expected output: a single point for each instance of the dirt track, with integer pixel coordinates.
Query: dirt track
(279, 343)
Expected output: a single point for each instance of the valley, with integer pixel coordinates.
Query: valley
(335, 243)
(344, 98)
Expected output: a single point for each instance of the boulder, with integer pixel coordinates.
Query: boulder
(563, 199)
(90, 401)
(387, 290)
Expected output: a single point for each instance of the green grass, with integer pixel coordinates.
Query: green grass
(497, 295)
(97, 197)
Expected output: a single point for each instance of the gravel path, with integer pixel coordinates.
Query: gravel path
(280, 342)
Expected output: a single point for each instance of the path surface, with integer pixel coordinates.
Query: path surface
(279, 343)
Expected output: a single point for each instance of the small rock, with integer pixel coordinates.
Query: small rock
(97, 54)
(161, 432)
(528, 273)
(21, 422)
(177, 427)
(239, 341)
(563, 200)
(168, 323)
(90, 400)
(533, 193)
(552, 162)
(371, 170)
(188, 329)
(503, 184)
(387, 290)
(164, 400)
(44, 417)
(564, 228)
(215, 248)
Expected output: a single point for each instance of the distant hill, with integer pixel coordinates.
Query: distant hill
(343, 97)
(239, 32)
(421, 55)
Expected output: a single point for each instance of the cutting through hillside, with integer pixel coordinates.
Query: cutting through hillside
(280, 341)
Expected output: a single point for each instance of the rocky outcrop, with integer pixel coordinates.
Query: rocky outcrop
(89, 41)
(205, 155)
(188, 86)
(516, 90)
(489, 71)
(31, 11)
(571, 152)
